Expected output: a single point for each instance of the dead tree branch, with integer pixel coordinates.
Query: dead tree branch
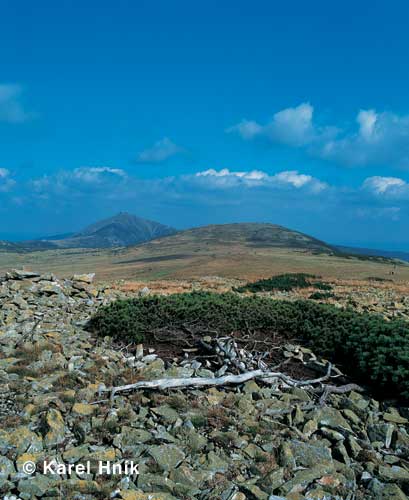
(173, 383)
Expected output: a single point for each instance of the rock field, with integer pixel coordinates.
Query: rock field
(248, 441)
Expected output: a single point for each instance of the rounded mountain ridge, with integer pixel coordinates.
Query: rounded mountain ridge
(250, 233)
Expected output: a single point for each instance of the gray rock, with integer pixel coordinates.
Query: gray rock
(381, 432)
(394, 474)
(21, 274)
(310, 454)
(84, 278)
(167, 456)
(144, 291)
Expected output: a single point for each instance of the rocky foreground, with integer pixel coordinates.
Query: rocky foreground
(249, 441)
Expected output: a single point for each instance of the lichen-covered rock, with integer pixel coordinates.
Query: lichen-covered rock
(84, 278)
(310, 454)
(83, 409)
(167, 456)
(394, 474)
(56, 426)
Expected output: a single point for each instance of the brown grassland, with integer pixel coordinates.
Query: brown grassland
(174, 259)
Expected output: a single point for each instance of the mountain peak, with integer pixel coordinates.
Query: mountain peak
(122, 229)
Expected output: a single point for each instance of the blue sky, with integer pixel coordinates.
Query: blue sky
(191, 113)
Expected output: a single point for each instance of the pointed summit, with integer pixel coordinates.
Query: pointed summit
(123, 229)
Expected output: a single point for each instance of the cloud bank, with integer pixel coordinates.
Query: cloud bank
(290, 178)
(116, 183)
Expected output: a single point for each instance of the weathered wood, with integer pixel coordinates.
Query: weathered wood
(177, 383)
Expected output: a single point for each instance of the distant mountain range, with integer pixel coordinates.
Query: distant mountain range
(8, 246)
(124, 230)
(389, 254)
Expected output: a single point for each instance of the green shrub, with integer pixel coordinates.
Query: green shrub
(135, 318)
(321, 295)
(284, 282)
(371, 349)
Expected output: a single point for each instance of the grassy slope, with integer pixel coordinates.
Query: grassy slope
(228, 251)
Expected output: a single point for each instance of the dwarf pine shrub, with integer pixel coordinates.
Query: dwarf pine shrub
(371, 349)
(321, 295)
(285, 282)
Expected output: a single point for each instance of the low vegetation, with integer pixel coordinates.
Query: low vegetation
(373, 350)
(285, 282)
(321, 296)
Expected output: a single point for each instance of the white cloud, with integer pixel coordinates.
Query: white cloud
(11, 108)
(380, 138)
(116, 183)
(292, 178)
(159, 152)
(253, 175)
(6, 183)
(291, 126)
(367, 121)
(226, 178)
(247, 129)
(79, 181)
(297, 180)
(385, 185)
(96, 174)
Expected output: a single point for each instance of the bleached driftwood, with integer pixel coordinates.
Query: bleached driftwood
(177, 383)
